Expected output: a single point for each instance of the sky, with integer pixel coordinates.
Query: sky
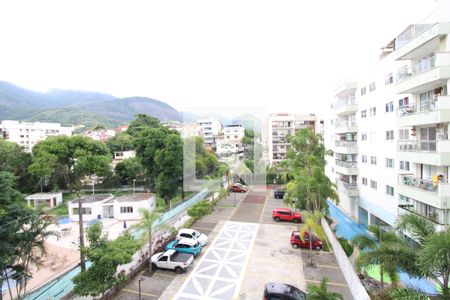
(279, 55)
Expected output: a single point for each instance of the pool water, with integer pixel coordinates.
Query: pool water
(348, 228)
(65, 220)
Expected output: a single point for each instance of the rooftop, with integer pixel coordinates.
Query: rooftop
(133, 197)
(43, 195)
(92, 198)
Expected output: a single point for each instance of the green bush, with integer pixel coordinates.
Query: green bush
(348, 248)
(200, 209)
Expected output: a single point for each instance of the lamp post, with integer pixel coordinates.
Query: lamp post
(139, 283)
(134, 185)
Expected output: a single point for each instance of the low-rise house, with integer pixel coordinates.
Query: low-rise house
(106, 206)
(45, 200)
(121, 156)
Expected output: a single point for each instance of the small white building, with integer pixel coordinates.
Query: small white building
(233, 134)
(46, 200)
(106, 206)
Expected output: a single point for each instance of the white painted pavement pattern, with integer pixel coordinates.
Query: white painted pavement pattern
(219, 273)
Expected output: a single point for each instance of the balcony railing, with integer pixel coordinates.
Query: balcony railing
(419, 183)
(407, 72)
(348, 144)
(416, 146)
(348, 186)
(344, 124)
(346, 164)
(414, 30)
(419, 107)
(432, 216)
(345, 102)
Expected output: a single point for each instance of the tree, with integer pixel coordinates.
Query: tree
(142, 122)
(129, 170)
(148, 225)
(105, 256)
(43, 167)
(13, 214)
(380, 248)
(312, 226)
(31, 238)
(320, 292)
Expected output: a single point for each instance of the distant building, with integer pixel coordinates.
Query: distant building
(282, 124)
(210, 130)
(109, 207)
(28, 134)
(185, 129)
(100, 134)
(121, 129)
(121, 156)
(233, 134)
(44, 200)
(225, 149)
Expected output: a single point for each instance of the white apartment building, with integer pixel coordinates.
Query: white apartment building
(279, 126)
(186, 130)
(389, 129)
(233, 134)
(28, 134)
(210, 130)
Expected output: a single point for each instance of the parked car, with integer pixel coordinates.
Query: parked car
(285, 214)
(192, 234)
(279, 194)
(170, 259)
(278, 290)
(238, 188)
(296, 242)
(185, 246)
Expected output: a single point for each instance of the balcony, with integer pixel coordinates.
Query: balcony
(346, 167)
(426, 75)
(436, 194)
(346, 88)
(346, 147)
(418, 38)
(345, 106)
(436, 153)
(431, 111)
(345, 126)
(437, 219)
(349, 189)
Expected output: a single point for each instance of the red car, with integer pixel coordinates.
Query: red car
(296, 242)
(238, 188)
(285, 214)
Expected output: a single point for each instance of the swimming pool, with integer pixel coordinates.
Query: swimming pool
(65, 220)
(348, 228)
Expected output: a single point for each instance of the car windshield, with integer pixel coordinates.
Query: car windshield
(195, 234)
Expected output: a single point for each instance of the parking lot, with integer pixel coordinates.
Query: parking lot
(269, 257)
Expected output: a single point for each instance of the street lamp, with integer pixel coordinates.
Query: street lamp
(139, 283)
(134, 184)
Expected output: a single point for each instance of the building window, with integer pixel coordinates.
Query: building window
(363, 136)
(404, 165)
(126, 209)
(389, 107)
(84, 211)
(403, 134)
(364, 181)
(372, 87)
(373, 160)
(363, 91)
(389, 135)
(373, 184)
(403, 102)
(389, 79)
(389, 163)
(373, 111)
(363, 113)
(364, 158)
(389, 190)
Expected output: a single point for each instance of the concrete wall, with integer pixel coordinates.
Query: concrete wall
(357, 289)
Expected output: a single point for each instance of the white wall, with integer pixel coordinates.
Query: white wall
(96, 209)
(137, 205)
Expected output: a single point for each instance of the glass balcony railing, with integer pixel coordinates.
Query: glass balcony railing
(348, 144)
(347, 164)
(422, 66)
(347, 185)
(344, 124)
(344, 102)
(415, 30)
(419, 107)
(419, 183)
(416, 146)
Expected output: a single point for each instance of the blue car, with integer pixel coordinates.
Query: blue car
(185, 246)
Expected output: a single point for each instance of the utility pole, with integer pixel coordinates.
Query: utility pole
(80, 219)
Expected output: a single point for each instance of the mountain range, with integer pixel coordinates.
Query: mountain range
(78, 107)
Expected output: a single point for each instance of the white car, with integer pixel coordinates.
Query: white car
(188, 233)
(170, 259)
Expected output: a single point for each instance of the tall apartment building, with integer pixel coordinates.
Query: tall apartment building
(210, 129)
(27, 134)
(279, 126)
(389, 130)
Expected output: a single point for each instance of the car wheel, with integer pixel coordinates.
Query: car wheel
(277, 219)
(295, 246)
(178, 270)
(318, 248)
(154, 267)
(295, 220)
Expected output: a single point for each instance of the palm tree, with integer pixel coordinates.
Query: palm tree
(150, 224)
(312, 225)
(380, 248)
(407, 294)
(32, 237)
(320, 292)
